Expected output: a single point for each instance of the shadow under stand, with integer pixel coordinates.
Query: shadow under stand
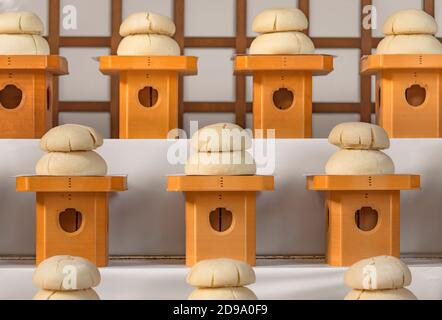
(72, 215)
(220, 215)
(408, 94)
(149, 94)
(362, 215)
(282, 92)
(26, 94)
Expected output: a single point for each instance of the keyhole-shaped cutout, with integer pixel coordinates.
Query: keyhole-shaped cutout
(416, 95)
(70, 220)
(148, 97)
(366, 219)
(11, 97)
(283, 98)
(221, 219)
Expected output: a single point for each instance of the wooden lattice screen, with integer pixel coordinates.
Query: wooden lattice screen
(240, 43)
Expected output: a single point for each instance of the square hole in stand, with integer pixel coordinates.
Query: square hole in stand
(85, 82)
(215, 76)
(39, 7)
(164, 7)
(201, 120)
(209, 18)
(254, 7)
(337, 18)
(385, 8)
(100, 121)
(85, 18)
(341, 85)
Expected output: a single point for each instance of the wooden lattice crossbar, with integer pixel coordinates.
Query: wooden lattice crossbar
(240, 43)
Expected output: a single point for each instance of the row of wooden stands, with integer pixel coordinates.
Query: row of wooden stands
(72, 215)
(408, 93)
(362, 215)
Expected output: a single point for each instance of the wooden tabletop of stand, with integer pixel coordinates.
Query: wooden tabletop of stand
(220, 183)
(182, 64)
(71, 184)
(373, 183)
(54, 64)
(318, 64)
(375, 63)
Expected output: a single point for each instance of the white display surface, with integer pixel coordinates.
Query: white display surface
(148, 220)
(276, 280)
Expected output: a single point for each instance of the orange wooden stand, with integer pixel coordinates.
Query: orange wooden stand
(72, 215)
(276, 80)
(220, 215)
(408, 94)
(148, 93)
(354, 231)
(26, 91)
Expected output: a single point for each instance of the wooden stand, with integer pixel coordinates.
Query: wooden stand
(220, 215)
(408, 94)
(362, 215)
(282, 92)
(26, 92)
(148, 93)
(72, 215)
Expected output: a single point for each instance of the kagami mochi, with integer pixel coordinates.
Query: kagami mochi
(360, 154)
(221, 150)
(70, 152)
(281, 32)
(66, 278)
(148, 34)
(410, 31)
(379, 278)
(21, 34)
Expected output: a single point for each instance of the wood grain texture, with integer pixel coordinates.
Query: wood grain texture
(204, 242)
(364, 182)
(71, 184)
(201, 107)
(84, 106)
(85, 42)
(343, 231)
(220, 183)
(90, 241)
(430, 7)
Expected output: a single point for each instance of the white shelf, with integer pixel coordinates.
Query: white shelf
(157, 280)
